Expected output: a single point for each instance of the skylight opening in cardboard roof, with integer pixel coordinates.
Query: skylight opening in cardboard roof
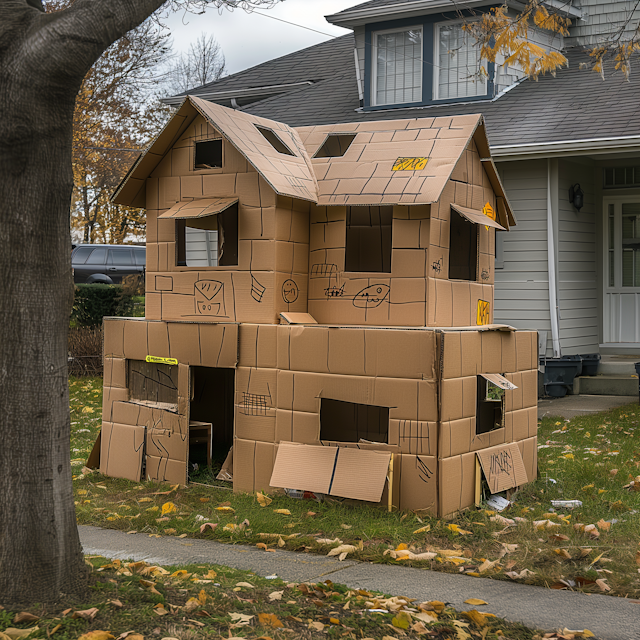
(335, 145)
(208, 154)
(351, 422)
(463, 248)
(275, 141)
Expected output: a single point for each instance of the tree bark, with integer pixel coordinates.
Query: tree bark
(43, 58)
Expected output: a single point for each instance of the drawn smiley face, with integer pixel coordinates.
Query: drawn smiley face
(290, 291)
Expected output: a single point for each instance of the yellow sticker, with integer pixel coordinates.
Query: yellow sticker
(483, 313)
(159, 360)
(409, 164)
(488, 211)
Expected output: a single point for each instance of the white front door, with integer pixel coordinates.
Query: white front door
(622, 271)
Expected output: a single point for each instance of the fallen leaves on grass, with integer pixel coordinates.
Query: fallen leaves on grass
(475, 601)
(87, 614)
(263, 500)
(168, 507)
(208, 525)
(25, 616)
(96, 635)
(241, 619)
(282, 512)
(269, 620)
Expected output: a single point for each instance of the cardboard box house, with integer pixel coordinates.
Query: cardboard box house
(321, 300)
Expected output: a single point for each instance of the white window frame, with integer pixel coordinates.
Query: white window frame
(436, 62)
(374, 62)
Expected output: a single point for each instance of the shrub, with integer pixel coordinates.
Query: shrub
(95, 301)
(85, 351)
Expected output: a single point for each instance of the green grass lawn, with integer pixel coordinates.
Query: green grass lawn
(590, 458)
(137, 601)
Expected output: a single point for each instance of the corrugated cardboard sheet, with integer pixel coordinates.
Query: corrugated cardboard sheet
(336, 471)
(199, 208)
(503, 467)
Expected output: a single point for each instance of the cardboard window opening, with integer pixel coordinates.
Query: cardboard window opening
(198, 208)
(343, 472)
(476, 217)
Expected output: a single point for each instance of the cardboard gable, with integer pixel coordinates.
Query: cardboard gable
(285, 166)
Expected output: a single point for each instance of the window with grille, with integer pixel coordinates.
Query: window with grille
(459, 71)
(616, 177)
(631, 244)
(397, 66)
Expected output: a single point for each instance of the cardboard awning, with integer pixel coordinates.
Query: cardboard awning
(291, 317)
(499, 381)
(336, 471)
(503, 467)
(477, 217)
(197, 208)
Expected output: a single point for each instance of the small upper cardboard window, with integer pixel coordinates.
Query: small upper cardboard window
(463, 248)
(368, 241)
(275, 141)
(335, 145)
(490, 407)
(209, 154)
(351, 422)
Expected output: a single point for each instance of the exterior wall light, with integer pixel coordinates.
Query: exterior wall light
(576, 195)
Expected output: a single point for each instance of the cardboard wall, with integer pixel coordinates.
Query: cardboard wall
(273, 241)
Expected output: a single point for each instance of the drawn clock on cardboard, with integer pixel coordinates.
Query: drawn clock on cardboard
(290, 291)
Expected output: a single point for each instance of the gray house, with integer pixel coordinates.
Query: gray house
(569, 269)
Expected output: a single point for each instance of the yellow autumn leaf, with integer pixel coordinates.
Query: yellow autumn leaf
(475, 601)
(96, 635)
(211, 574)
(422, 529)
(147, 499)
(263, 501)
(87, 410)
(153, 509)
(181, 574)
(269, 620)
(402, 547)
(480, 619)
(226, 509)
(202, 597)
(402, 620)
(588, 486)
(456, 529)
(284, 512)
(168, 507)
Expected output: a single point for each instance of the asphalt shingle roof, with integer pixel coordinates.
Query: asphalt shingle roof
(575, 105)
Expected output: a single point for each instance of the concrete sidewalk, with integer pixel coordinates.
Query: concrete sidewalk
(608, 617)
(571, 406)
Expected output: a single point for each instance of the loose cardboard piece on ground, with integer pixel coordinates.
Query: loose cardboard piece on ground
(503, 467)
(93, 461)
(337, 471)
(226, 473)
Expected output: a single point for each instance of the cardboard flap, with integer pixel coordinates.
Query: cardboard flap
(198, 208)
(499, 381)
(290, 317)
(337, 471)
(503, 467)
(476, 217)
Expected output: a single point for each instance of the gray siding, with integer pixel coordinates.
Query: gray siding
(522, 285)
(602, 19)
(576, 252)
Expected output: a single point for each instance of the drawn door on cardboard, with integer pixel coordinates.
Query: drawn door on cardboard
(211, 421)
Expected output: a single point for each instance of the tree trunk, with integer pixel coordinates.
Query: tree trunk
(43, 59)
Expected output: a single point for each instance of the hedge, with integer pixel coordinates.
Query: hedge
(93, 302)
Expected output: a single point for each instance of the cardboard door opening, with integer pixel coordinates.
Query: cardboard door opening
(490, 406)
(368, 242)
(211, 241)
(211, 403)
(350, 422)
(152, 382)
(463, 248)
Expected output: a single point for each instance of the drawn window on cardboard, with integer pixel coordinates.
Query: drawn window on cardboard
(335, 145)
(490, 406)
(152, 381)
(368, 240)
(351, 422)
(273, 139)
(208, 154)
(209, 240)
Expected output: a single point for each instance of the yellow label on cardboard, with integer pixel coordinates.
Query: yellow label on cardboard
(409, 164)
(488, 211)
(483, 313)
(159, 360)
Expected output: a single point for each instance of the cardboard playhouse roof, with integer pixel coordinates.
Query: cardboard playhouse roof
(373, 163)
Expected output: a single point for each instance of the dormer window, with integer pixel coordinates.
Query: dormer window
(397, 66)
(459, 71)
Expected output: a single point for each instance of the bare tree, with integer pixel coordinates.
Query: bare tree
(203, 63)
(44, 58)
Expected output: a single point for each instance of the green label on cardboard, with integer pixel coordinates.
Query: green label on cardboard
(159, 360)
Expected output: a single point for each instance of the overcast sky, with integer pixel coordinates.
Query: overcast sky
(249, 39)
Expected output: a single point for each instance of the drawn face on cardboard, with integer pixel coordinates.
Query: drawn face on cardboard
(371, 297)
(209, 297)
